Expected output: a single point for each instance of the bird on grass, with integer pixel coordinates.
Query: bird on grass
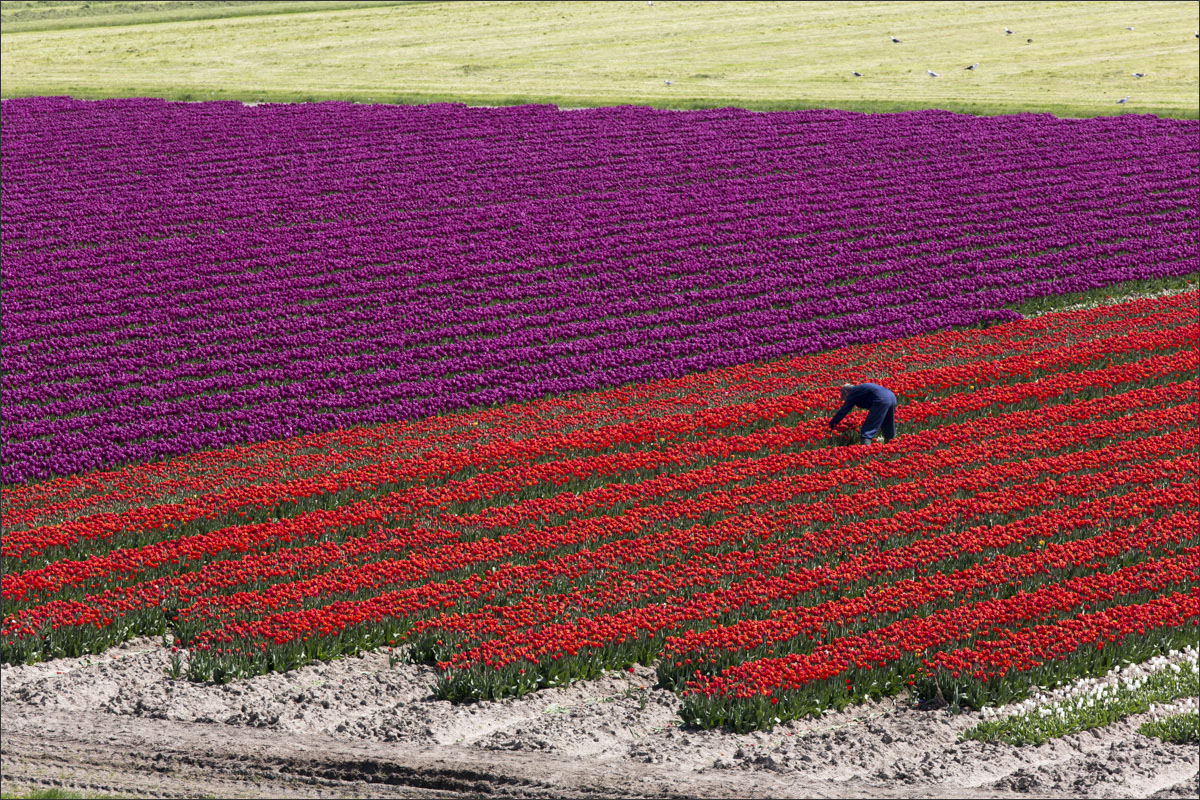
(895, 40)
(856, 74)
(1139, 74)
(1128, 27)
(1006, 30)
(933, 74)
(668, 83)
(1123, 101)
(1029, 41)
(973, 66)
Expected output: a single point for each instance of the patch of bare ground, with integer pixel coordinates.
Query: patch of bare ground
(117, 724)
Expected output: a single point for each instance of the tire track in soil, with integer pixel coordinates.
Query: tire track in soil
(102, 753)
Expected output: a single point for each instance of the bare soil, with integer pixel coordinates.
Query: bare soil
(116, 724)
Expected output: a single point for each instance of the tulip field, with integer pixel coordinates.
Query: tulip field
(424, 399)
(1035, 521)
(189, 276)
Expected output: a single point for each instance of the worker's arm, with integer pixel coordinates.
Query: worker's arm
(842, 412)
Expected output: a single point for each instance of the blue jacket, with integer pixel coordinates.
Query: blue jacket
(864, 395)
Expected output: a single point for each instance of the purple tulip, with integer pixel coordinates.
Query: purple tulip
(179, 276)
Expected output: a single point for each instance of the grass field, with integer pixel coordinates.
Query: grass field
(35, 15)
(754, 55)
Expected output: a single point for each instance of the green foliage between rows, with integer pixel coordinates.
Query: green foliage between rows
(1179, 728)
(1094, 710)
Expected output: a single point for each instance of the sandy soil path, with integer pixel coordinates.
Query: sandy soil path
(116, 724)
(164, 758)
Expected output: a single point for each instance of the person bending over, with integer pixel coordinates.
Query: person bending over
(880, 404)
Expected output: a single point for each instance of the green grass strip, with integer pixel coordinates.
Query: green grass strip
(30, 17)
(1107, 295)
(81, 91)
